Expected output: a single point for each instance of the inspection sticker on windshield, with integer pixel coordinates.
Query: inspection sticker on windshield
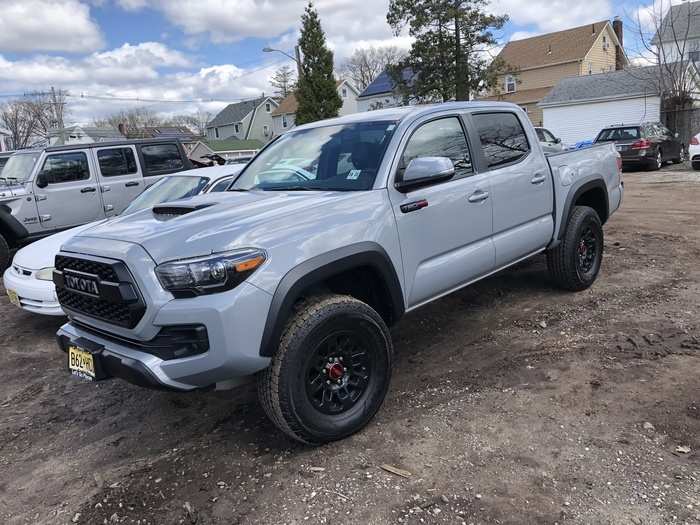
(354, 174)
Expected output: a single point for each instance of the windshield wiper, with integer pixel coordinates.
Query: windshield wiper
(287, 188)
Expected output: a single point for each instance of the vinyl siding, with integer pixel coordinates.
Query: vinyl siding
(673, 55)
(600, 60)
(262, 118)
(584, 121)
(541, 77)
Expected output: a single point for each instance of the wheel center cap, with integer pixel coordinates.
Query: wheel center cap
(336, 371)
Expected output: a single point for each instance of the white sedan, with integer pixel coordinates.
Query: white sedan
(28, 280)
(694, 151)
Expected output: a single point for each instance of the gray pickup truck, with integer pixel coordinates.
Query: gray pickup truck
(43, 191)
(329, 235)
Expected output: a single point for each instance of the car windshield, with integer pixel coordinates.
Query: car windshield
(19, 167)
(607, 135)
(167, 189)
(333, 158)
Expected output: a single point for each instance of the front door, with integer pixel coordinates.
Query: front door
(444, 229)
(121, 180)
(521, 184)
(66, 190)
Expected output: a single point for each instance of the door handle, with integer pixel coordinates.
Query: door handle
(131, 184)
(105, 189)
(40, 198)
(108, 208)
(538, 179)
(478, 196)
(88, 190)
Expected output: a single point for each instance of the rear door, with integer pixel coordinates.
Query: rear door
(521, 185)
(71, 195)
(120, 177)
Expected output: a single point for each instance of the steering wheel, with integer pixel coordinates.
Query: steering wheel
(300, 173)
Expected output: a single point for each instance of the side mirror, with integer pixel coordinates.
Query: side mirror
(557, 140)
(425, 170)
(41, 181)
(677, 135)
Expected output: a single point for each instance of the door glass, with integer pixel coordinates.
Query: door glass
(159, 158)
(116, 161)
(65, 167)
(440, 138)
(548, 137)
(503, 138)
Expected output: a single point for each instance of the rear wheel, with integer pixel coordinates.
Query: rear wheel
(331, 371)
(4, 254)
(657, 162)
(575, 263)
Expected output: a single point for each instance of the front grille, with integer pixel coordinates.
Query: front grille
(119, 302)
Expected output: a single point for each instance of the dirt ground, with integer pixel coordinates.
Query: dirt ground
(511, 402)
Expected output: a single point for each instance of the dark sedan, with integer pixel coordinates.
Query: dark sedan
(649, 145)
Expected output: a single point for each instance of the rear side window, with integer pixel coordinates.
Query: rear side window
(502, 137)
(117, 161)
(440, 138)
(65, 167)
(222, 185)
(160, 158)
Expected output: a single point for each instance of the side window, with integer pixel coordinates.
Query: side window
(540, 135)
(159, 158)
(116, 161)
(65, 167)
(440, 138)
(220, 186)
(503, 139)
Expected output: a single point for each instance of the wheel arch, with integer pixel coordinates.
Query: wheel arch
(594, 194)
(10, 227)
(344, 270)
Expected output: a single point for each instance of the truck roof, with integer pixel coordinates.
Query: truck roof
(404, 112)
(125, 142)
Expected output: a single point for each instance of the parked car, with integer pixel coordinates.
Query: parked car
(44, 191)
(649, 145)
(28, 280)
(297, 279)
(694, 151)
(549, 143)
(4, 157)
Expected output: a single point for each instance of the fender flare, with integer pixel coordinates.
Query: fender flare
(10, 227)
(316, 270)
(574, 196)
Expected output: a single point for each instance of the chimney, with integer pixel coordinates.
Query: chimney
(122, 129)
(619, 50)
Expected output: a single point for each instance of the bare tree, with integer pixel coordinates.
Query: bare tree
(195, 122)
(17, 118)
(366, 64)
(33, 116)
(135, 120)
(283, 81)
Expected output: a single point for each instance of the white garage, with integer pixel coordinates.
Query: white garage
(579, 107)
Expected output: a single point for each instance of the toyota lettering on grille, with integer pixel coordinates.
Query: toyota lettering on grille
(82, 284)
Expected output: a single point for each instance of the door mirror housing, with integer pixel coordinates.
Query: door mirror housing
(41, 181)
(424, 171)
(677, 135)
(557, 140)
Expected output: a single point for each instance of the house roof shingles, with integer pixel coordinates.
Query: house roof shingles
(681, 22)
(570, 45)
(234, 113)
(616, 84)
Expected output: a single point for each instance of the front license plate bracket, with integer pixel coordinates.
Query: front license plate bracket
(84, 352)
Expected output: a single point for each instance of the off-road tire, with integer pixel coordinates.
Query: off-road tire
(563, 261)
(4, 254)
(282, 387)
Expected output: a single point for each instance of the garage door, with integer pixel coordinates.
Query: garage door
(584, 121)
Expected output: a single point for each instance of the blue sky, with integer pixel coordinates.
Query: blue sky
(208, 52)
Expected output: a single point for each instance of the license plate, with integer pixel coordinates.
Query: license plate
(14, 298)
(81, 363)
(621, 148)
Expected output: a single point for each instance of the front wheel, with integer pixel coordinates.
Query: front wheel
(575, 263)
(681, 157)
(331, 371)
(4, 254)
(696, 166)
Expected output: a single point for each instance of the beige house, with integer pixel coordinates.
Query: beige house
(540, 62)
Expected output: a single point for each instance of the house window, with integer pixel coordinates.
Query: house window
(216, 132)
(525, 109)
(268, 107)
(510, 84)
(590, 68)
(694, 56)
(284, 121)
(237, 128)
(345, 92)
(266, 130)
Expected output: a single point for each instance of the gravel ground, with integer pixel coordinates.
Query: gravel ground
(512, 402)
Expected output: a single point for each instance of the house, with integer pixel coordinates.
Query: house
(381, 93)
(78, 134)
(284, 116)
(247, 120)
(537, 64)
(678, 38)
(228, 149)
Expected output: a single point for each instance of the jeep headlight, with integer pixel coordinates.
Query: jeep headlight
(211, 274)
(45, 274)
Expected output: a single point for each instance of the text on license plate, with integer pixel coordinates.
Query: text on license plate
(81, 363)
(14, 298)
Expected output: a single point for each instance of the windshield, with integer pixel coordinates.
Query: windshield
(631, 133)
(167, 189)
(19, 166)
(335, 158)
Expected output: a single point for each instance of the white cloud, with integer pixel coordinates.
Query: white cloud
(47, 25)
(554, 15)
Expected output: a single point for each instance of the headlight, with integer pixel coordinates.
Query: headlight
(212, 274)
(45, 274)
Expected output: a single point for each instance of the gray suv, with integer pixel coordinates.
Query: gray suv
(44, 191)
(329, 235)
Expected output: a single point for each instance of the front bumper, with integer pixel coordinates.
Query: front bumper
(35, 296)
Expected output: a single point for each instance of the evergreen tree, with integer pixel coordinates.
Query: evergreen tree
(283, 82)
(316, 89)
(449, 58)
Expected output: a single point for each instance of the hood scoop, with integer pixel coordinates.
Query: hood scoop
(167, 212)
